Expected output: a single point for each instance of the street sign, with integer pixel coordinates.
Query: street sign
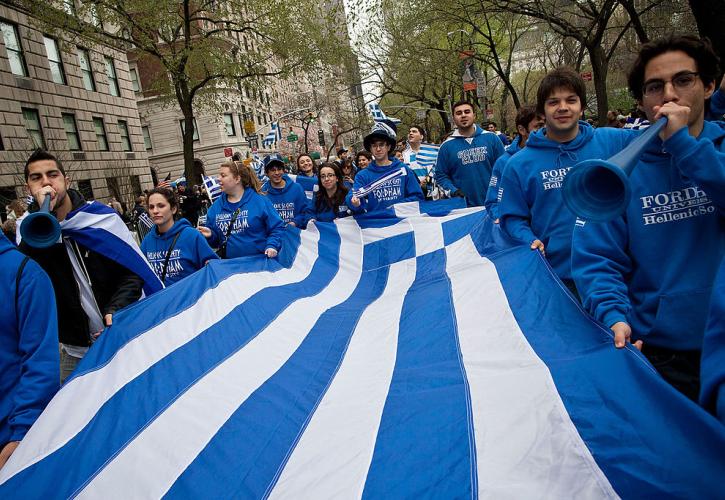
(249, 127)
(587, 76)
(252, 140)
(228, 152)
(292, 137)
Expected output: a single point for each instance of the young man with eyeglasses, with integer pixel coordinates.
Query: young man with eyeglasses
(648, 274)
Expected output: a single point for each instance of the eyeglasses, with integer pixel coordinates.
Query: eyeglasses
(681, 81)
(328, 176)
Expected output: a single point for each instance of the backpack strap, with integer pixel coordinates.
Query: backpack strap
(168, 255)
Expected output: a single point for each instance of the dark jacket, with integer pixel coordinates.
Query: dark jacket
(114, 286)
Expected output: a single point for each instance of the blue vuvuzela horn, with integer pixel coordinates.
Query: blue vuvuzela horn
(40, 229)
(598, 190)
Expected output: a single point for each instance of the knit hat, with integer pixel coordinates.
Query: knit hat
(385, 130)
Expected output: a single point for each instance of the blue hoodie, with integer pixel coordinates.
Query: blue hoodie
(290, 202)
(256, 228)
(29, 360)
(717, 106)
(329, 214)
(465, 163)
(653, 268)
(190, 252)
(712, 380)
(400, 189)
(531, 207)
(309, 184)
(494, 193)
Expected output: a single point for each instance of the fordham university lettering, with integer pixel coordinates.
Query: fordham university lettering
(675, 205)
(286, 211)
(389, 191)
(240, 224)
(473, 155)
(553, 179)
(156, 259)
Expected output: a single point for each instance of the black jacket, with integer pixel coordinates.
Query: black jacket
(114, 286)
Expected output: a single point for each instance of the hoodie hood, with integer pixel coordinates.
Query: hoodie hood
(457, 134)
(514, 148)
(374, 167)
(178, 226)
(273, 190)
(539, 139)
(715, 131)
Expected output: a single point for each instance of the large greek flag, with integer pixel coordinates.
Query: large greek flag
(415, 356)
(273, 136)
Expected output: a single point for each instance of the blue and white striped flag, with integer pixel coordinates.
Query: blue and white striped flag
(212, 187)
(98, 227)
(378, 115)
(273, 136)
(427, 155)
(406, 357)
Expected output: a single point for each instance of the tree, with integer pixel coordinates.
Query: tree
(710, 17)
(203, 51)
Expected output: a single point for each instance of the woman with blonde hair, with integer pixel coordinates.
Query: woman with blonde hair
(242, 221)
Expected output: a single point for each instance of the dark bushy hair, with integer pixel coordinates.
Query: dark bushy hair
(560, 78)
(462, 102)
(322, 201)
(170, 197)
(364, 153)
(526, 113)
(699, 49)
(40, 155)
(420, 129)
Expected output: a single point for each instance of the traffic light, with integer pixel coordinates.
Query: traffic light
(321, 137)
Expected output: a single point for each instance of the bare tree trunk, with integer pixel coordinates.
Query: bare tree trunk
(600, 68)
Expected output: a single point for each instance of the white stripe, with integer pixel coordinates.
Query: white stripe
(79, 400)
(110, 222)
(334, 453)
(219, 393)
(526, 443)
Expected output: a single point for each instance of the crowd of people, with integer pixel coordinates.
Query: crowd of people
(648, 275)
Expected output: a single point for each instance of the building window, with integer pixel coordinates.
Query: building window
(125, 138)
(196, 129)
(112, 78)
(69, 7)
(147, 138)
(86, 189)
(54, 59)
(259, 119)
(14, 49)
(2, 146)
(32, 125)
(134, 80)
(84, 61)
(100, 129)
(71, 132)
(229, 123)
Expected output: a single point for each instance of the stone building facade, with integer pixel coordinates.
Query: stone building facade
(77, 102)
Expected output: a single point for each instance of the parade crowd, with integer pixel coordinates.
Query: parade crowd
(654, 276)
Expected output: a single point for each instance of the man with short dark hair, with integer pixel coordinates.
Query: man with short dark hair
(466, 158)
(492, 127)
(95, 266)
(648, 274)
(532, 209)
(527, 121)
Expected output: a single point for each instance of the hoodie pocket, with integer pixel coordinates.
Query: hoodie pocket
(681, 318)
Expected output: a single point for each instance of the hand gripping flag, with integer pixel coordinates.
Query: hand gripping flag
(414, 356)
(98, 227)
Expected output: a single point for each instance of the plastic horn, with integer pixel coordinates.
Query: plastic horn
(40, 229)
(598, 190)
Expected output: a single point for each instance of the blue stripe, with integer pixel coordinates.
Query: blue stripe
(425, 444)
(649, 440)
(267, 427)
(141, 316)
(106, 435)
